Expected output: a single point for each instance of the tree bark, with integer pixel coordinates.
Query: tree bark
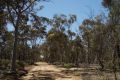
(13, 62)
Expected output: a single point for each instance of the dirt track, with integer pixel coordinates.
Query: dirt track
(45, 71)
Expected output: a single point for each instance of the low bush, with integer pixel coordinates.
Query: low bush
(68, 65)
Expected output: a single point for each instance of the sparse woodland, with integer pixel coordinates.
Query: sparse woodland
(97, 41)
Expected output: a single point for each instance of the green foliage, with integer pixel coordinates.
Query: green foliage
(96, 42)
(20, 64)
(4, 64)
(68, 65)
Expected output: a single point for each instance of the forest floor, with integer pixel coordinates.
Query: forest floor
(45, 71)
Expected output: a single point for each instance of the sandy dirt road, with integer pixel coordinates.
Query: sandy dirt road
(45, 71)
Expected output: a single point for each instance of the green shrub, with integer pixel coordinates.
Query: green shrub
(68, 65)
(20, 64)
(4, 64)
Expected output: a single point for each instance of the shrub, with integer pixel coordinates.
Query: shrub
(20, 64)
(68, 65)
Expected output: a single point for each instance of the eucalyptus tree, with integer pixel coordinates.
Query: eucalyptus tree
(57, 38)
(99, 38)
(114, 24)
(4, 33)
(57, 44)
(87, 35)
(78, 51)
(2, 28)
(18, 14)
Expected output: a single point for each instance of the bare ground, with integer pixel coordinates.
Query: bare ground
(45, 71)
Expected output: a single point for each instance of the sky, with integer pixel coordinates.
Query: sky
(81, 8)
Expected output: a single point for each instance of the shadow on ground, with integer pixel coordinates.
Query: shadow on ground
(44, 71)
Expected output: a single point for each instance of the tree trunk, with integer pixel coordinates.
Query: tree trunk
(114, 63)
(13, 62)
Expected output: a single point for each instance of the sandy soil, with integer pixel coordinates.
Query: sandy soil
(44, 70)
